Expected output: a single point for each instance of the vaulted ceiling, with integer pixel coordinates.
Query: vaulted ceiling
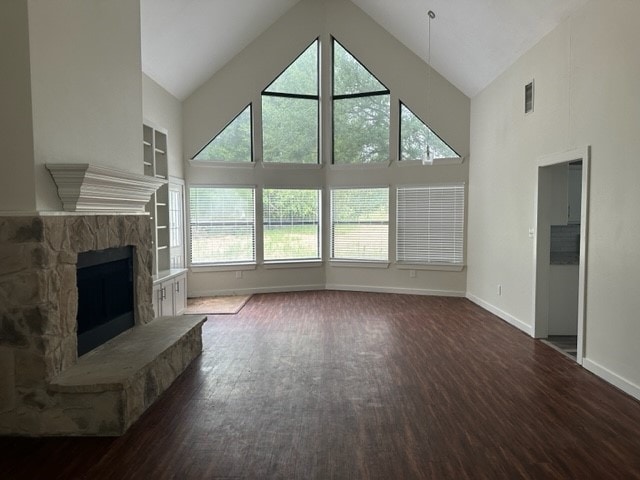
(184, 42)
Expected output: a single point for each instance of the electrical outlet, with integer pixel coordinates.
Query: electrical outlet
(412, 273)
(499, 290)
(239, 274)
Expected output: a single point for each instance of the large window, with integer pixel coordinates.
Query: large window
(290, 112)
(430, 224)
(291, 224)
(233, 143)
(360, 112)
(416, 138)
(360, 224)
(222, 225)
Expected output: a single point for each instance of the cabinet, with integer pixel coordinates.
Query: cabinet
(566, 194)
(169, 294)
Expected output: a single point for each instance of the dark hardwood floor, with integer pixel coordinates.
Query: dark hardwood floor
(361, 385)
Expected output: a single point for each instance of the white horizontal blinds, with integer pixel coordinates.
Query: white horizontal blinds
(430, 224)
(291, 226)
(360, 224)
(222, 224)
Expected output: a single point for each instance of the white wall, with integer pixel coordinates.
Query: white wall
(17, 189)
(214, 104)
(163, 110)
(85, 86)
(586, 77)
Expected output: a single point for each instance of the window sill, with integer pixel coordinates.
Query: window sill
(207, 163)
(434, 163)
(430, 266)
(359, 263)
(275, 264)
(303, 166)
(227, 267)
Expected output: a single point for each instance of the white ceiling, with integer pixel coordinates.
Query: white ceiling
(184, 42)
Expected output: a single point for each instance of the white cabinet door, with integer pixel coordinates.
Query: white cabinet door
(170, 295)
(180, 294)
(157, 300)
(167, 298)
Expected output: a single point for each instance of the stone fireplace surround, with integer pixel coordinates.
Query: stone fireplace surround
(44, 388)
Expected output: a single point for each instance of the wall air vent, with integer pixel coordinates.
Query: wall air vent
(528, 97)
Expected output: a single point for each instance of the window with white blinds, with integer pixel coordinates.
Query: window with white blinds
(291, 224)
(430, 224)
(360, 224)
(222, 221)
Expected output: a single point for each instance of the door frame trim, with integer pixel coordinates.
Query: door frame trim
(540, 317)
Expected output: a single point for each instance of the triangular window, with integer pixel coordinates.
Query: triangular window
(360, 112)
(290, 112)
(350, 76)
(301, 77)
(416, 137)
(233, 143)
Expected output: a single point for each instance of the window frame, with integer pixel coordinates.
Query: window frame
(229, 163)
(319, 239)
(299, 96)
(403, 263)
(457, 159)
(339, 97)
(231, 264)
(355, 261)
(177, 229)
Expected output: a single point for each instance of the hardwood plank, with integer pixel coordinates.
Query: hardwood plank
(362, 385)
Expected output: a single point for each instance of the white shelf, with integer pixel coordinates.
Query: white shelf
(155, 166)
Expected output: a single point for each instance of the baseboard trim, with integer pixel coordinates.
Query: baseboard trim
(250, 291)
(403, 291)
(330, 286)
(510, 319)
(614, 379)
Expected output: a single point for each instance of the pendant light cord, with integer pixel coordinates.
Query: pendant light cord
(431, 15)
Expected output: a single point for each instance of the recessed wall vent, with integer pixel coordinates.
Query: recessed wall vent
(528, 97)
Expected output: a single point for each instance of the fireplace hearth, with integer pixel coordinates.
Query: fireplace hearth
(45, 387)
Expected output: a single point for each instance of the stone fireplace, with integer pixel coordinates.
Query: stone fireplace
(45, 387)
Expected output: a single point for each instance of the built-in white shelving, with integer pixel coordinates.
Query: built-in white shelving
(156, 165)
(170, 283)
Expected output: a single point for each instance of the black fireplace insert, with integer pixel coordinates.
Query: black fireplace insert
(105, 296)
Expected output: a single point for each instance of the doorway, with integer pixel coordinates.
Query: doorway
(560, 249)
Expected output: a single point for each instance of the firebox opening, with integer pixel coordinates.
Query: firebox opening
(105, 296)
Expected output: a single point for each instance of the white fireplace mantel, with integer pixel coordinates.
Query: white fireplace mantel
(89, 188)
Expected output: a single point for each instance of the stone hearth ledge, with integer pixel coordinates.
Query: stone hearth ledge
(110, 387)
